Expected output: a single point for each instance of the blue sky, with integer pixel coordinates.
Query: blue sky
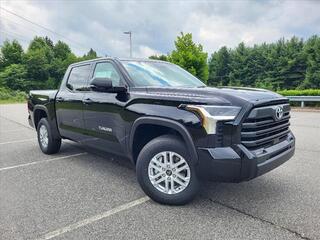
(155, 24)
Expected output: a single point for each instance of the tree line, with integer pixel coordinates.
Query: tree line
(41, 66)
(285, 64)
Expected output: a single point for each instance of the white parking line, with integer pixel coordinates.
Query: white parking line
(95, 218)
(19, 141)
(10, 131)
(41, 161)
(21, 124)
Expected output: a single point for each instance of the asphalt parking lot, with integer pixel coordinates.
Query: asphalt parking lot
(77, 194)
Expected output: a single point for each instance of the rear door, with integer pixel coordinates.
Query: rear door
(103, 112)
(69, 105)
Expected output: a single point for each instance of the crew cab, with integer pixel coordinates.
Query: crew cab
(171, 126)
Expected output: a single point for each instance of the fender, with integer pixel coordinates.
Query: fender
(51, 119)
(166, 123)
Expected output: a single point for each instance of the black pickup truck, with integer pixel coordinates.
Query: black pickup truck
(174, 129)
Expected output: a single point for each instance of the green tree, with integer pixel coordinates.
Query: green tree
(312, 51)
(239, 66)
(295, 69)
(219, 68)
(37, 66)
(38, 59)
(49, 42)
(61, 50)
(58, 68)
(63, 57)
(42, 66)
(288, 64)
(260, 64)
(90, 55)
(14, 77)
(11, 53)
(159, 57)
(43, 44)
(280, 65)
(38, 43)
(190, 56)
(285, 64)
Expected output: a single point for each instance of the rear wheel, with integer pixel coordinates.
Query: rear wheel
(47, 143)
(165, 171)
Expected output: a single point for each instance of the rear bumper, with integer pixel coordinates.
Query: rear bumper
(237, 163)
(30, 121)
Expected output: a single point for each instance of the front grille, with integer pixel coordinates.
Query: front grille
(262, 129)
(219, 134)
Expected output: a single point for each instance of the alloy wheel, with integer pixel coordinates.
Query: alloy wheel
(169, 172)
(43, 135)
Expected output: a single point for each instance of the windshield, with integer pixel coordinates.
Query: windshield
(159, 74)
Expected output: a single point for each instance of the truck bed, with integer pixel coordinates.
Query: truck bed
(42, 96)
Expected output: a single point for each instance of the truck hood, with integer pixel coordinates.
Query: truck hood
(216, 96)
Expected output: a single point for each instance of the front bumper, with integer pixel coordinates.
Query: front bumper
(237, 163)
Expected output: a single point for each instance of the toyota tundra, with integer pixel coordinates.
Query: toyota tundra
(173, 128)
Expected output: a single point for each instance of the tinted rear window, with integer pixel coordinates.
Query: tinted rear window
(78, 77)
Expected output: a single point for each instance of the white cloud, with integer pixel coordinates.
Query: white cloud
(145, 51)
(155, 24)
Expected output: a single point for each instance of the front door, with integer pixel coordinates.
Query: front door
(69, 103)
(103, 112)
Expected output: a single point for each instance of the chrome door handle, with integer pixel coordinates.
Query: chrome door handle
(59, 99)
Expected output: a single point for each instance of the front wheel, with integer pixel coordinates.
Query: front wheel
(47, 143)
(165, 171)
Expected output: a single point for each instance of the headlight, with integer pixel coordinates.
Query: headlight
(210, 115)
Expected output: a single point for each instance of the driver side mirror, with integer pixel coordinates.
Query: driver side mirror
(105, 85)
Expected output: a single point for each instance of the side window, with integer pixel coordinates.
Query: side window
(107, 70)
(78, 77)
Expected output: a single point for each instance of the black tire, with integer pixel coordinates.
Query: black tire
(158, 145)
(53, 145)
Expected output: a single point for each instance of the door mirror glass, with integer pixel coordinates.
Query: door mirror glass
(99, 84)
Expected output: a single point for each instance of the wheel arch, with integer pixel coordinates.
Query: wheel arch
(41, 111)
(162, 122)
(38, 113)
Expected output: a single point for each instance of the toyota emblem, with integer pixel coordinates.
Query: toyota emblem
(279, 112)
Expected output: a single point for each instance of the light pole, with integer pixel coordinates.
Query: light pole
(129, 32)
